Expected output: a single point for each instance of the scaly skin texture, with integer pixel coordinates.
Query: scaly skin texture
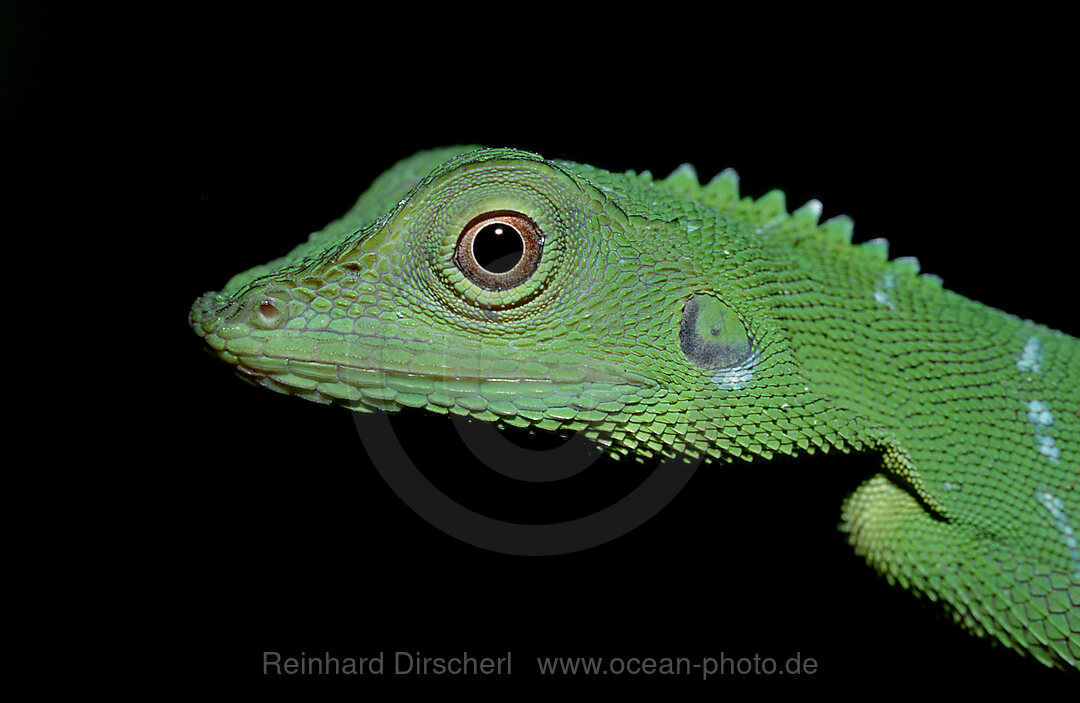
(671, 317)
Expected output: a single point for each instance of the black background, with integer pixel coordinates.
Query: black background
(243, 521)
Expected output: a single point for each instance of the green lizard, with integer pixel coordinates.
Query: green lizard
(670, 317)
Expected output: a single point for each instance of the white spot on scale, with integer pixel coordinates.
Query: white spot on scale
(1039, 415)
(1031, 356)
(1048, 448)
(734, 379)
(883, 288)
(1055, 505)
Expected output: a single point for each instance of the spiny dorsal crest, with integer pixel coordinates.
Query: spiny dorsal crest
(769, 213)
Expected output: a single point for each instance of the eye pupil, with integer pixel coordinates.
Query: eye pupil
(498, 247)
(499, 250)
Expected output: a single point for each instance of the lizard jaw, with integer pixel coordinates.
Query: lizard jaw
(387, 366)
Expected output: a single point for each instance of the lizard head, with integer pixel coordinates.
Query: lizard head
(512, 289)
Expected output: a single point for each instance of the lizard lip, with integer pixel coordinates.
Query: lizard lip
(378, 356)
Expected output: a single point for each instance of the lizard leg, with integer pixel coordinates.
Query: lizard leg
(988, 586)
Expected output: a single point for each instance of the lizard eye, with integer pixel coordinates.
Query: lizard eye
(499, 250)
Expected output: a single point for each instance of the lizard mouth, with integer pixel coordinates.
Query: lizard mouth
(382, 365)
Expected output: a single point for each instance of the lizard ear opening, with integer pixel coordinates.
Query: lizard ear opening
(712, 336)
(499, 250)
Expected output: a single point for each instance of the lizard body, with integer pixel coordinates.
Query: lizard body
(676, 318)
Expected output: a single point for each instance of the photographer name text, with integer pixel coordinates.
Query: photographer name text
(385, 663)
